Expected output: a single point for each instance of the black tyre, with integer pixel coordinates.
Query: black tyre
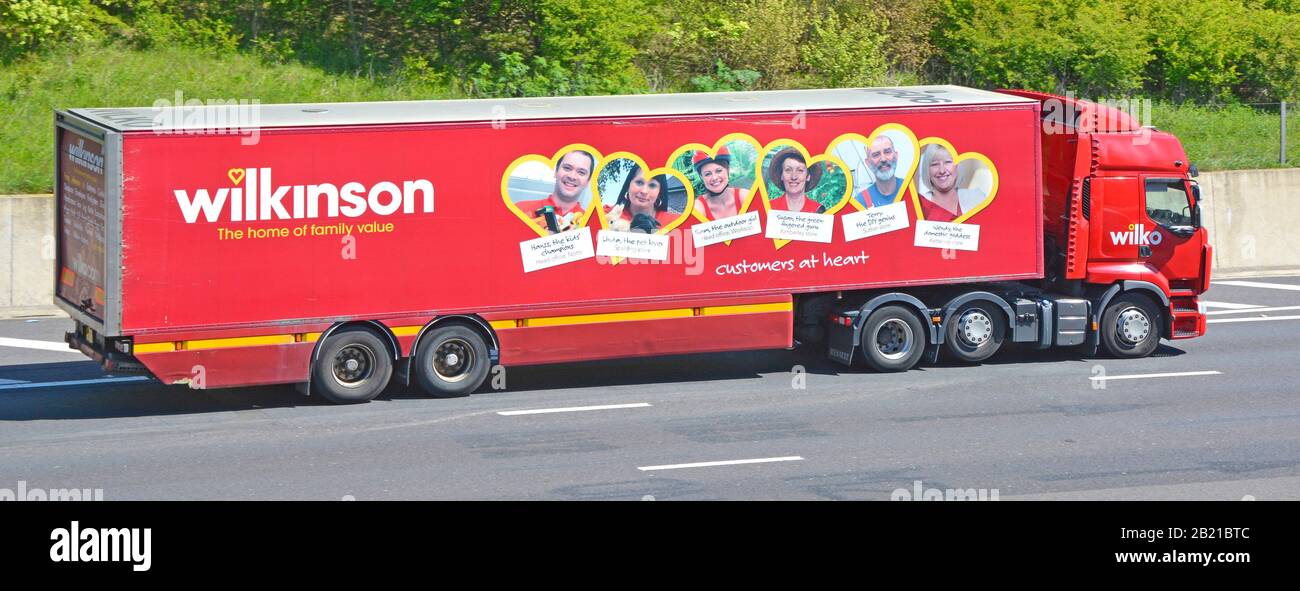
(451, 360)
(893, 339)
(1130, 326)
(975, 331)
(354, 365)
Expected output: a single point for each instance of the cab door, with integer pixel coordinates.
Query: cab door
(1170, 237)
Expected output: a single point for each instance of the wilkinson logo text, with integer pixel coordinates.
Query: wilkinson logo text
(75, 544)
(79, 155)
(260, 199)
(1137, 235)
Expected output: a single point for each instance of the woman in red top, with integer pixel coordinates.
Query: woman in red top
(643, 196)
(790, 171)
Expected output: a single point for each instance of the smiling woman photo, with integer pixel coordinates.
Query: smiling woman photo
(641, 196)
(941, 198)
(790, 172)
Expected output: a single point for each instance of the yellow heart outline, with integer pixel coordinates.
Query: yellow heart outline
(866, 141)
(552, 162)
(236, 175)
(957, 159)
(713, 151)
(812, 161)
(649, 173)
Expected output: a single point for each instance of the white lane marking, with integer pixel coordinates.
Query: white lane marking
(1138, 376)
(1258, 284)
(1261, 310)
(1256, 319)
(722, 463)
(73, 383)
(1229, 305)
(543, 411)
(42, 345)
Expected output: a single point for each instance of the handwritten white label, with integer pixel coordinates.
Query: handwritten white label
(739, 226)
(946, 235)
(633, 245)
(797, 225)
(877, 220)
(557, 249)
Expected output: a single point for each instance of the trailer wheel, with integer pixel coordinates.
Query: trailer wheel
(975, 332)
(451, 360)
(1130, 326)
(893, 339)
(354, 365)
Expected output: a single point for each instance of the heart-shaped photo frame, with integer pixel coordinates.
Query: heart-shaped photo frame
(874, 163)
(952, 186)
(552, 195)
(722, 176)
(634, 198)
(795, 180)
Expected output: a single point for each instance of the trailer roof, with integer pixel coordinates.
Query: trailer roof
(166, 117)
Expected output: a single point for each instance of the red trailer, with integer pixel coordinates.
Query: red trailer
(339, 246)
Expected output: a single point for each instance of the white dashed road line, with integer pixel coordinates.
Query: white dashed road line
(543, 411)
(32, 385)
(1258, 284)
(42, 345)
(1229, 305)
(722, 463)
(1252, 319)
(1155, 375)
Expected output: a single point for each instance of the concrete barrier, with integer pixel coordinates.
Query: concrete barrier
(26, 254)
(1253, 217)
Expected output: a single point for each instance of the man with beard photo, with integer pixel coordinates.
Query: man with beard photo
(882, 161)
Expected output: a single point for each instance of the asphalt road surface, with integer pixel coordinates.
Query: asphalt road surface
(1210, 418)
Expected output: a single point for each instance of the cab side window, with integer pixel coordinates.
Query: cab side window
(1167, 203)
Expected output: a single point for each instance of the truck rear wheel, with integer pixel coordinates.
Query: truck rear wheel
(353, 366)
(975, 332)
(1130, 326)
(451, 360)
(893, 339)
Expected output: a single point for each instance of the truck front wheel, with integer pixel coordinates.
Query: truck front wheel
(893, 339)
(975, 332)
(451, 360)
(354, 365)
(1130, 326)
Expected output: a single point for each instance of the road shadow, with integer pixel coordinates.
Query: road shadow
(1022, 353)
(124, 399)
(151, 398)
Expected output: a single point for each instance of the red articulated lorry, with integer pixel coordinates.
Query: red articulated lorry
(341, 247)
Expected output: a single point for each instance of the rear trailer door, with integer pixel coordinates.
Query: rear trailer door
(88, 209)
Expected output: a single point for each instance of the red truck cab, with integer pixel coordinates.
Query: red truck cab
(1122, 213)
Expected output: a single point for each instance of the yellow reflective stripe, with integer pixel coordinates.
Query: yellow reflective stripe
(154, 347)
(746, 309)
(611, 317)
(277, 339)
(311, 337)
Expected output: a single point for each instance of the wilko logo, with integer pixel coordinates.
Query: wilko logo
(1137, 235)
(260, 199)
